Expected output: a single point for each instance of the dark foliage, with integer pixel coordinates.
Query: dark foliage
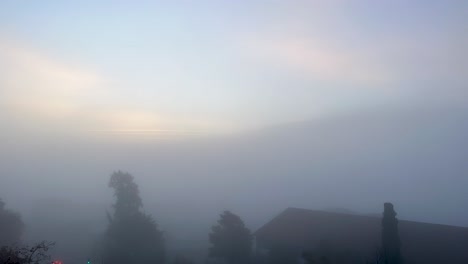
(390, 237)
(132, 236)
(36, 254)
(231, 240)
(11, 226)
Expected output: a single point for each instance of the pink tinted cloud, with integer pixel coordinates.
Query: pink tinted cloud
(318, 61)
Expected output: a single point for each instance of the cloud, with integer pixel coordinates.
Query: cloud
(361, 45)
(42, 94)
(35, 84)
(318, 61)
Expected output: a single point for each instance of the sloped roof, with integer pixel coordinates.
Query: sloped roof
(421, 242)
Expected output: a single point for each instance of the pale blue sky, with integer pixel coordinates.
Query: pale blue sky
(224, 66)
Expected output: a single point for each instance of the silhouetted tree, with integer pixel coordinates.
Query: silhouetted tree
(35, 254)
(390, 237)
(11, 226)
(132, 236)
(231, 240)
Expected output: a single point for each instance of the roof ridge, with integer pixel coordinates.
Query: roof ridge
(296, 209)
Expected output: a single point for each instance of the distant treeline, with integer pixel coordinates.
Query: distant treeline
(133, 236)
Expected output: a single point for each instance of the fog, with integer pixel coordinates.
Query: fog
(414, 156)
(355, 161)
(250, 108)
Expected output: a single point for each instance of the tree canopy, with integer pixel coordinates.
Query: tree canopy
(390, 236)
(11, 226)
(132, 236)
(231, 240)
(36, 254)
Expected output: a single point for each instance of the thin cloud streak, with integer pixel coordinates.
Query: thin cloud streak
(43, 93)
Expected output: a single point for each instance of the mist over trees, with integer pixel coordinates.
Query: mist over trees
(12, 249)
(234, 132)
(230, 240)
(132, 236)
(129, 226)
(11, 225)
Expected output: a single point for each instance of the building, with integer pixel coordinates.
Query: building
(357, 237)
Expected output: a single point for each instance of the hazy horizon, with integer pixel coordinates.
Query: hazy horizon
(249, 106)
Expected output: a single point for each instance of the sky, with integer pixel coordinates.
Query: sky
(210, 67)
(252, 106)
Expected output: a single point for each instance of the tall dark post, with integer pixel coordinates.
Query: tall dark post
(390, 238)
